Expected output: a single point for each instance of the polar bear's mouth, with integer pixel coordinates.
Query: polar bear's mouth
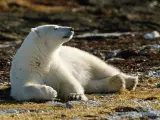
(68, 35)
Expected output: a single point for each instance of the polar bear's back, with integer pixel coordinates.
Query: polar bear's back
(85, 66)
(70, 54)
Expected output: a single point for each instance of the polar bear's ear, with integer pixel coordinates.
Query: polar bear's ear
(36, 31)
(33, 29)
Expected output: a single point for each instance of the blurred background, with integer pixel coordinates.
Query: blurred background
(128, 50)
(83, 15)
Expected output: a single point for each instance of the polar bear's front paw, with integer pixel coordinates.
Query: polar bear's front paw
(49, 92)
(76, 96)
(116, 83)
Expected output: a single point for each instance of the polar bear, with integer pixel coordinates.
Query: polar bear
(43, 68)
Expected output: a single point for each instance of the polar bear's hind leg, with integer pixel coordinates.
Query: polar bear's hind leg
(116, 83)
(131, 83)
(108, 84)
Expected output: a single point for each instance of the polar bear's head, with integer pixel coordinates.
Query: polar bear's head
(53, 35)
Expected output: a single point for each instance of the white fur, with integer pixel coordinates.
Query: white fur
(43, 68)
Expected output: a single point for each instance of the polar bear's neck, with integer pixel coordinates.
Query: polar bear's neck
(36, 55)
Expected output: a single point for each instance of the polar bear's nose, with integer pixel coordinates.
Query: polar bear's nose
(72, 29)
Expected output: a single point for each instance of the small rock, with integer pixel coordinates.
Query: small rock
(153, 74)
(76, 119)
(59, 105)
(125, 109)
(144, 51)
(126, 54)
(75, 102)
(134, 115)
(13, 111)
(92, 102)
(56, 104)
(90, 116)
(36, 111)
(102, 56)
(1, 83)
(152, 35)
(151, 98)
(149, 49)
(156, 46)
(63, 115)
(158, 85)
(108, 99)
(102, 35)
(115, 60)
(68, 105)
(111, 54)
(153, 4)
(24, 111)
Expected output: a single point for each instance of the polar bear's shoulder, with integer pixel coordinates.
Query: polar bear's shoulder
(73, 54)
(72, 51)
(68, 49)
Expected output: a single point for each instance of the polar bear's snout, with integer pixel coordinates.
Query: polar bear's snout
(72, 29)
(69, 33)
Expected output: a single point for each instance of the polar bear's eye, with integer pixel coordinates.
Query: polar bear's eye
(55, 28)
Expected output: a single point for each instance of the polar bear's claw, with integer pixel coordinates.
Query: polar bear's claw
(76, 96)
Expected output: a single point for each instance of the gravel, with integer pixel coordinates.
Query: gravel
(153, 114)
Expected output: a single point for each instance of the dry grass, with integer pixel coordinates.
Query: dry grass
(35, 7)
(111, 103)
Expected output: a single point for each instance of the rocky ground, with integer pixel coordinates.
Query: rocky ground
(115, 33)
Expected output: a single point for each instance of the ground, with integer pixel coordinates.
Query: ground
(131, 53)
